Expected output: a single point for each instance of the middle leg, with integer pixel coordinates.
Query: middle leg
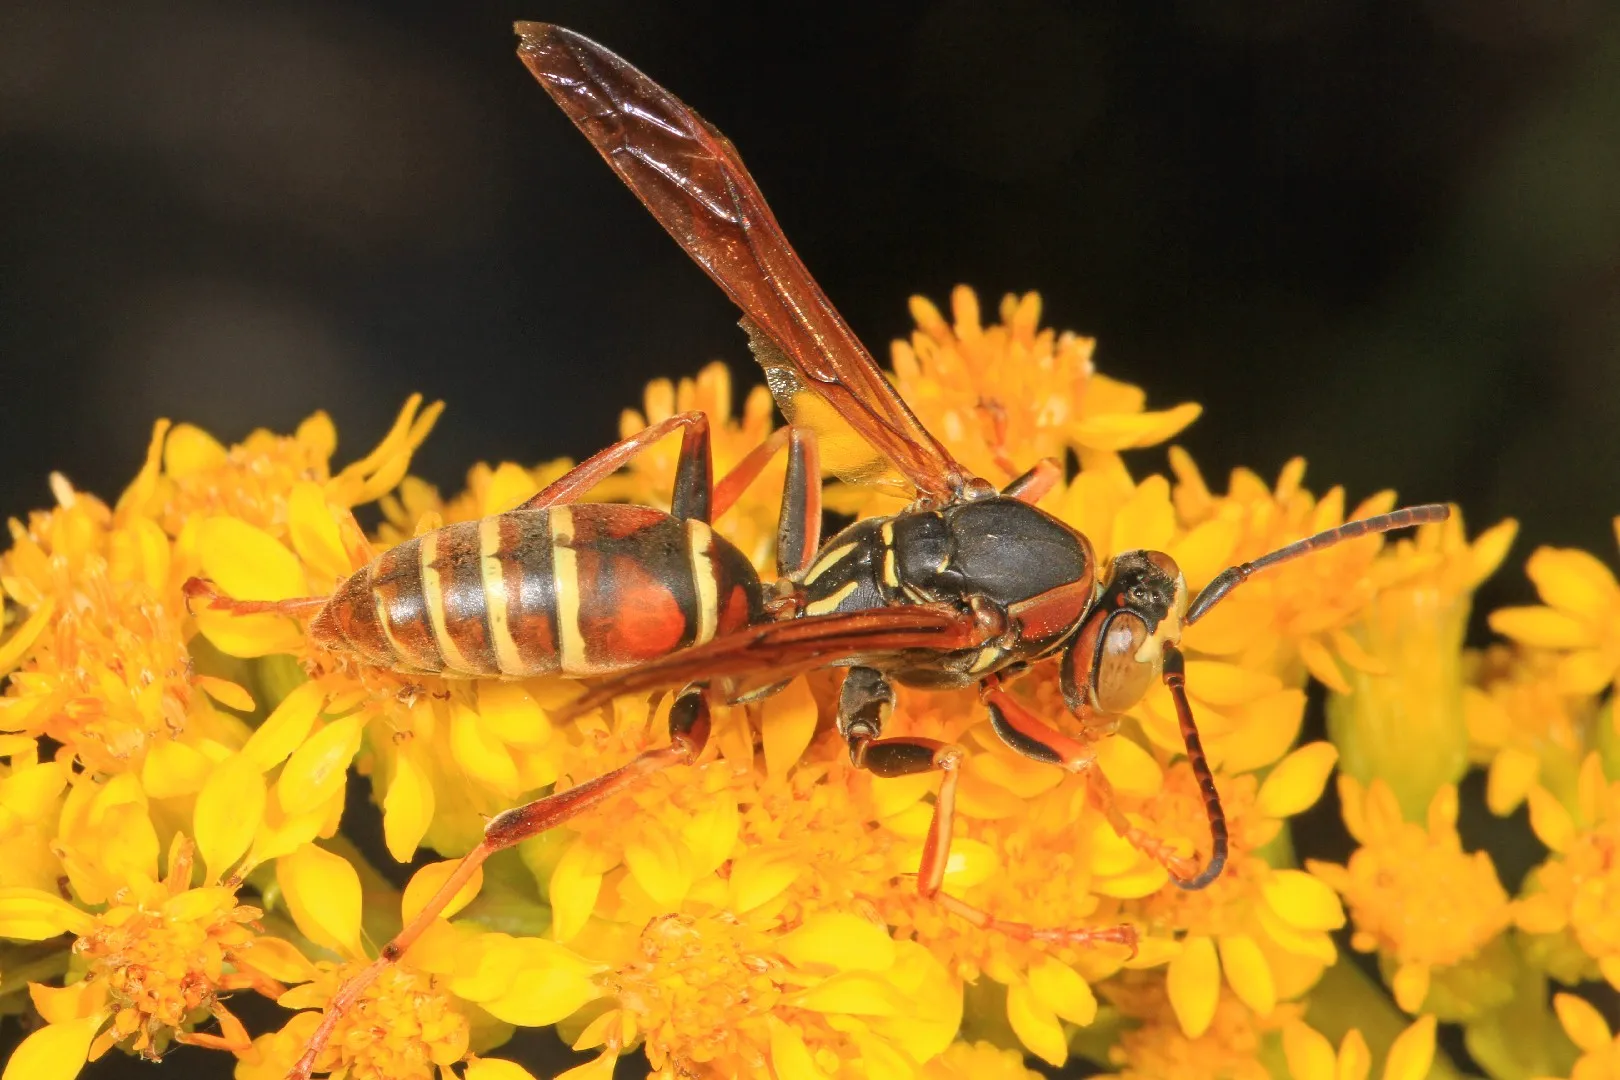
(864, 705)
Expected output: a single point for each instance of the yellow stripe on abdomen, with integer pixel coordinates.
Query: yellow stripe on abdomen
(507, 657)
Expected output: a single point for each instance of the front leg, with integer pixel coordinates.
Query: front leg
(864, 705)
(1032, 737)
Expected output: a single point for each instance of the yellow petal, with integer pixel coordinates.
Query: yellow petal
(710, 835)
(761, 874)
(659, 864)
(1310, 1056)
(189, 450)
(1302, 900)
(1226, 685)
(509, 485)
(1411, 986)
(319, 768)
(1512, 774)
(407, 808)
(599, 1068)
(323, 894)
(1036, 1025)
(65, 1004)
(858, 993)
(1194, 984)
(313, 525)
(840, 941)
(1540, 913)
(1540, 626)
(1124, 431)
(544, 992)
(1582, 1022)
(227, 693)
(484, 757)
(1296, 783)
(426, 882)
(246, 562)
(496, 1069)
(229, 809)
(574, 886)
(1355, 1060)
(34, 915)
(15, 647)
(789, 722)
(1248, 973)
(173, 769)
(1321, 664)
(1585, 671)
(1551, 822)
(1412, 1053)
(1057, 986)
(279, 959)
(790, 1058)
(1574, 581)
(511, 714)
(1131, 769)
(286, 727)
(54, 1052)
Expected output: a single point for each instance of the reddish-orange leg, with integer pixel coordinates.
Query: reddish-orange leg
(688, 733)
(1032, 737)
(1033, 485)
(863, 706)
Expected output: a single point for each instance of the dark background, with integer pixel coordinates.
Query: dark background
(1382, 235)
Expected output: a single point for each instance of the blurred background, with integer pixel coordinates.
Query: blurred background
(1385, 236)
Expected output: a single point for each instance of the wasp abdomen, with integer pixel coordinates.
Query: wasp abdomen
(575, 590)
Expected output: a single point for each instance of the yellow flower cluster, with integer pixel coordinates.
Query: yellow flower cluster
(173, 785)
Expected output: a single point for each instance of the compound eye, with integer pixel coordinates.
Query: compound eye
(1121, 679)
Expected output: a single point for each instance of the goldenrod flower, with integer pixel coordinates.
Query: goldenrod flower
(1525, 727)
(1415, 896)
(1157, 1048)
(1005, 396)
(1575, 893)
(1580, 619)
(157, 962)
(755, 914)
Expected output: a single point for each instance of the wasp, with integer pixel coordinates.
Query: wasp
(967, 586)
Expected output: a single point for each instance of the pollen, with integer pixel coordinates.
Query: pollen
(402, 1028)
(1414, 894)
(166, 957)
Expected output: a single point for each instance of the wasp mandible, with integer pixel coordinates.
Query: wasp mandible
(966, 587)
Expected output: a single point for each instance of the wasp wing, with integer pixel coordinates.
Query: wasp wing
(775, 652)
(692, 180)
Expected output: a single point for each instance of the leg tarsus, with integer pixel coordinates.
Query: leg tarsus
(203, 593)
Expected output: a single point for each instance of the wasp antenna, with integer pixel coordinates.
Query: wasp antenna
(1233, 576)
(1175, 678)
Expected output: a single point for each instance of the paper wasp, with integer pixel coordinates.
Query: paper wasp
(967, 586)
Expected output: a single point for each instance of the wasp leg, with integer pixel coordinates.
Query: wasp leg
(688, 734)
(1032, 487)
(798, 533)
(203, 593)
(694, 475)
(863, 705)
(1026, 733)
